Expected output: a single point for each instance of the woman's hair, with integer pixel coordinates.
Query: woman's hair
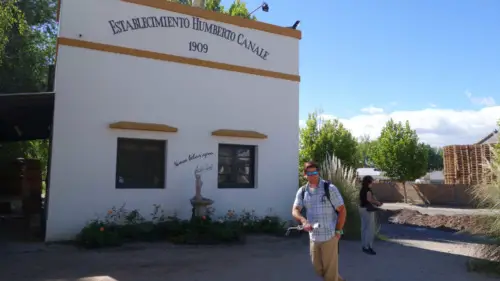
(367, 180)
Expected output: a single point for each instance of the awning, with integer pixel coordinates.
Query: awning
(26, 116)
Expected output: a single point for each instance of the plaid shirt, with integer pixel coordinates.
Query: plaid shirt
(319, 210)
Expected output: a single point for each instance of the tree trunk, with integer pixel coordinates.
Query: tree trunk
(404, 192)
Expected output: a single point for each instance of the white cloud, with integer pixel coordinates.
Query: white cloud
(432, 105)
(435, 126)
(372, 110)
(393, 103)
(484, 101)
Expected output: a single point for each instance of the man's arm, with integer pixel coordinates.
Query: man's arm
(338, 202)
(297, 207)
(342, 217)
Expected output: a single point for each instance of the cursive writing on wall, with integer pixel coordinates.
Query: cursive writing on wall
(193, 156)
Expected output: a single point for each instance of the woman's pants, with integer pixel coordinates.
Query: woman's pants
(367, 228)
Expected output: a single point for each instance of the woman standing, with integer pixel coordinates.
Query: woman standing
(367, 208)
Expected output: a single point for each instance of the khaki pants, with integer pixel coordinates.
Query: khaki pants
(325, 259)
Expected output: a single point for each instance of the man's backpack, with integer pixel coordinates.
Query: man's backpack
(326, 187)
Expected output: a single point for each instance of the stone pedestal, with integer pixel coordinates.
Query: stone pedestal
(200, 206)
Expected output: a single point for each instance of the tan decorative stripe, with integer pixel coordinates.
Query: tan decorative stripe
(58, 10)
(126, 125)
(239, 134)
(209, 15)
(178, 59)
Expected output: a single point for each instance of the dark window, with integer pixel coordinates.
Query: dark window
(236, 166)
(140, 163)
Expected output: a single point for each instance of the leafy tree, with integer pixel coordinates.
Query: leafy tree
(435, 158)
(214, 5)
(365, 146)
(399, 154)
(237, 8)
(25, 60)
(11, 19)
(27, 55)
(331, 138)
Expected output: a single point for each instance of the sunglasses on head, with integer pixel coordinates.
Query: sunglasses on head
(312, 173)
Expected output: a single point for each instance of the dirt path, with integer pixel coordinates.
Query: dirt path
(261, 259)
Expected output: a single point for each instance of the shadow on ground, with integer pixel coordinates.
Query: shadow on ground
(265, 258)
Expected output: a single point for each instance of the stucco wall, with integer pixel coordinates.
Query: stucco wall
(433, 194)
(95, 88)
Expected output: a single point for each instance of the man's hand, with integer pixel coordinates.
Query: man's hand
(337, 235)
(307, 226)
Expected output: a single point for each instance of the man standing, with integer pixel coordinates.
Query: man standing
(330, 213)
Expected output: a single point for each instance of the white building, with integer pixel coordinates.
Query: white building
(491, 138)
(148, 91)
(376, 174)
(434, 177)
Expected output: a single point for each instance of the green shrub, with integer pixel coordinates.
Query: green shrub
(344, 178)
(97, 235)
(251, 223)
(120, 226)
(487, 194)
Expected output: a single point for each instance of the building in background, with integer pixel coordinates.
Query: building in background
(491, 138)
(150, 92)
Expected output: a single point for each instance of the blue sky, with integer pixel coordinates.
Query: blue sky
(406, 59)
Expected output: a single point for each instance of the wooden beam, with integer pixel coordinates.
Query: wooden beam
(238, 134)
(126, 125)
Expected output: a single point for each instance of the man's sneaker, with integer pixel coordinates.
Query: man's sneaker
(368, 251)
(372, 251)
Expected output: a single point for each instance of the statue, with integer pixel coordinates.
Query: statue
(199, 203)
(198, 184)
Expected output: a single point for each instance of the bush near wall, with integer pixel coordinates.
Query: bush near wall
(120, 226)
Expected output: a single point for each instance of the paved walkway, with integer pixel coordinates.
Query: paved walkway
(262, 258)
(447, 211)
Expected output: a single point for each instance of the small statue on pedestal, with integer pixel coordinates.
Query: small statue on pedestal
(199, 203)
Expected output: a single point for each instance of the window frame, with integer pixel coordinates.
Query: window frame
(253, 155)
(142, 142)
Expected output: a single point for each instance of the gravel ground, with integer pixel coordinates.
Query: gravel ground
(475, 224)
(409, 254)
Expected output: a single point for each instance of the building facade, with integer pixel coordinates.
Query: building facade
(149, 92)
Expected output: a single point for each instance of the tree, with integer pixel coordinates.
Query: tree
(399, 154)
(237, 8)
(11, 18)
(435, 158)
(26, 58)
(320, 138)
(27, 55)
(214, 6)
(365, 146)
